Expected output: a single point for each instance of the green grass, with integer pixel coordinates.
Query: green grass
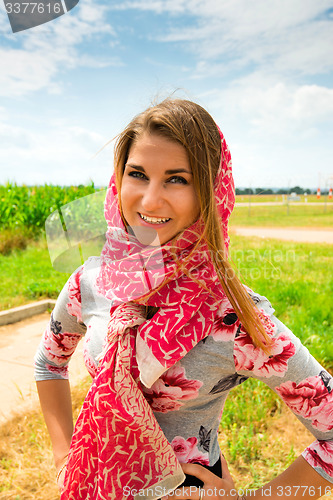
(319, 216)
(297, 279)
(255, 198)
(27, 275)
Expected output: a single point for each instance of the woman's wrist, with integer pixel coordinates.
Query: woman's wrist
(60, 462)
(61, 467)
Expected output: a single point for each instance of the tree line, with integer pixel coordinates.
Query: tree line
(295, 189)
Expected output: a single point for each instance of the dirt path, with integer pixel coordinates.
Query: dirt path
(306, 235)
(18, 344)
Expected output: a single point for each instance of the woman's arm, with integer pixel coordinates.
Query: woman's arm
(299, 482)
(54, 352)
(56, 404)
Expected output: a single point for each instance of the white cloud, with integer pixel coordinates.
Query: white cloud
(59, 153)
(311, 102)
(48, 49)
(13, 137)
(272, 108)
(287, 36)
(280, 107)
(279, 133)
(4, 23)
(157, 6)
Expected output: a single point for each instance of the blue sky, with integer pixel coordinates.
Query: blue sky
(263, 69)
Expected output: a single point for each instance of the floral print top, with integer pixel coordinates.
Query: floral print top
(188, 398)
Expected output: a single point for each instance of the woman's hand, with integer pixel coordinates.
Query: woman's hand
(214, 488)
(61, 475)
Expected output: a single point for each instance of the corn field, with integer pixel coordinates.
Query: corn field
(27, 207)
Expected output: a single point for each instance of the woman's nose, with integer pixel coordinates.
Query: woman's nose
(152, 197)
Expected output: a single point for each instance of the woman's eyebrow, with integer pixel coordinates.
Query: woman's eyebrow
(137, 167)
(167, 172)
(178, 171)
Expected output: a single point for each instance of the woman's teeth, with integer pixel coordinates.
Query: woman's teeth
(153, 220)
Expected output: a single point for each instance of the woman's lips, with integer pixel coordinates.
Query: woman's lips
(154, 221)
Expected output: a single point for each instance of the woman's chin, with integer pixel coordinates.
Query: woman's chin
(147, 236)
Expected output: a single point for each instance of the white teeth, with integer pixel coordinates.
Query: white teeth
(153, 220)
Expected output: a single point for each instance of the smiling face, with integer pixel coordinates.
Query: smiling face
(157, 189)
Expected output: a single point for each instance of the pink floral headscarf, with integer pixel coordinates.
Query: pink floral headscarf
(117, 444)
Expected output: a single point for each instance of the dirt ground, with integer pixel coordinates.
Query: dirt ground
(305, 235)
(18, 344)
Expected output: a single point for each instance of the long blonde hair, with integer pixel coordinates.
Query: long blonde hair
(190, 125)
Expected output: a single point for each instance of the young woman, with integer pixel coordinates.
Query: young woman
(169, 330)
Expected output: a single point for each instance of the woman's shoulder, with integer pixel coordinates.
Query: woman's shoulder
(78, 289)
(261, 302)
(84, 277)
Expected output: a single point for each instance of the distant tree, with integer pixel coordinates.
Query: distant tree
(263, 191)
(297, 190)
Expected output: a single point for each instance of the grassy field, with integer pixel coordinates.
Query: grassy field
(27, 275)
(318, 216)
(24, 210)
(255, 198)
(297, 280)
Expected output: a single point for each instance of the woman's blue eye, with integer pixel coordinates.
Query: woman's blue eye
(137, 175)
(175, 179)
(178, 179)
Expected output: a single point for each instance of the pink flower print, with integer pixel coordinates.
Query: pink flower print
(74, 294)
(267, 323)
(319, 454)
(59, 347)
(323, 420)
(58, 370)
(311, 400)
(88, 360)
(276, 363)
(249, 357)
(170, 389)
(245, 353)
(187, 451)
(226, 322)
(225, 325)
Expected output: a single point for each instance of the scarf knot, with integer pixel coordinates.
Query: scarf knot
(125, 317)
